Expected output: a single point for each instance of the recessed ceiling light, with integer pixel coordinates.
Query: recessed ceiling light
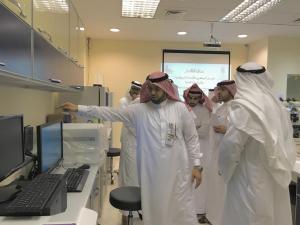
(248, 10)
(181, 33)
(242, 35)
(81, 28)
(139, 8)
(115, 30)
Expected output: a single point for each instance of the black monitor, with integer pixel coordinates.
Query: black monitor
(49, 146)
(11, 144)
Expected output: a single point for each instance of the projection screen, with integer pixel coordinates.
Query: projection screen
(206, 68)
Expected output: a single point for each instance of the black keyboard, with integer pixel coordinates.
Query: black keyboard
(35, 198)
(76, 179)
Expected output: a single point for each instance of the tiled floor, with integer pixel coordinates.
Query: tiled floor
(111, 215)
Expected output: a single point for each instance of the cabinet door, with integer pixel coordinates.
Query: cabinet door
(60, 34)
(49, 63)
(82, 43)
(74, 32)
(15, 44)
(95, 195)
(75, 76)
(51, 20)
(22, 8)
(43, 19)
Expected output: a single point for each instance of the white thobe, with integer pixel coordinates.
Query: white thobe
(202, 122)
(253, 197)
(128, 166)
(167, 143)
(217, 188)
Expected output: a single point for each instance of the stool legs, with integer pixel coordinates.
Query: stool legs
(111, 171)
(130, 218)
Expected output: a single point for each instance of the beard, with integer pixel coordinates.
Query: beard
(158, 100)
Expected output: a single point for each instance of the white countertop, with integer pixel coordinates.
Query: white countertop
(74, 213)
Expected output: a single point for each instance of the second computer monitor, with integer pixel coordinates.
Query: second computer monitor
(11, 142)
(50, 147)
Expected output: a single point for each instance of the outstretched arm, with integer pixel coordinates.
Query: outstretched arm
(101, 112)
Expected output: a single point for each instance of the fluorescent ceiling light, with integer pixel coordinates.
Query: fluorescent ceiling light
(115, 30)
(57, 6)
(81, 28)
(242, 35)
(248, 10)
(139, 8)
(181, 33)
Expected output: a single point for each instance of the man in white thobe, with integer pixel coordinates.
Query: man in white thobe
(199, 103)
(167, 144)
(128, 167)
(224, 93)
(257, 153)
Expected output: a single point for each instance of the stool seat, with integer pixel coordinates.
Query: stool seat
(126, 198)
(112, 152)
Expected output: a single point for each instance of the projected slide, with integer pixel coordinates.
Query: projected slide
(204, 69)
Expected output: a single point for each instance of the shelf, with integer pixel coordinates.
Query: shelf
(12, 79)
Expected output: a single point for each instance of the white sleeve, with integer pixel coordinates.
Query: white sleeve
(203, 131)
(231, 147)
(107, 113)
(191, 138)
(123, 103)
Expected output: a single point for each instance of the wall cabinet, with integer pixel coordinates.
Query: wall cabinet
(22, 8)
(15, 44)
(52, 22)
(45, 46)
(49, 63)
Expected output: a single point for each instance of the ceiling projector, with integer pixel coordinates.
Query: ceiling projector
(212, 43)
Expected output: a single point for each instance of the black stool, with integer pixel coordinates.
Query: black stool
(112, 152)
(127, 198)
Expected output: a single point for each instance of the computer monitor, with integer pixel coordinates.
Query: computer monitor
(11, 141)
(49, 146)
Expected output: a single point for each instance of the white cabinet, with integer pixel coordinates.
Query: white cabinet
(95, 195)
(98, 192)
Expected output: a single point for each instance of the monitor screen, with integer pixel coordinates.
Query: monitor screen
(49, 143)
(11, 142)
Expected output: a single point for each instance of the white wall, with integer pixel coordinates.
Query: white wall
(283, 59)
(258, 52)
(33, 104)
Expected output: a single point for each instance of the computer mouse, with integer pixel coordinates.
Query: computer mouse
(84, 166)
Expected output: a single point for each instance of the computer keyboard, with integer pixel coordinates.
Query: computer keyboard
(44, 195)
(76, 179)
